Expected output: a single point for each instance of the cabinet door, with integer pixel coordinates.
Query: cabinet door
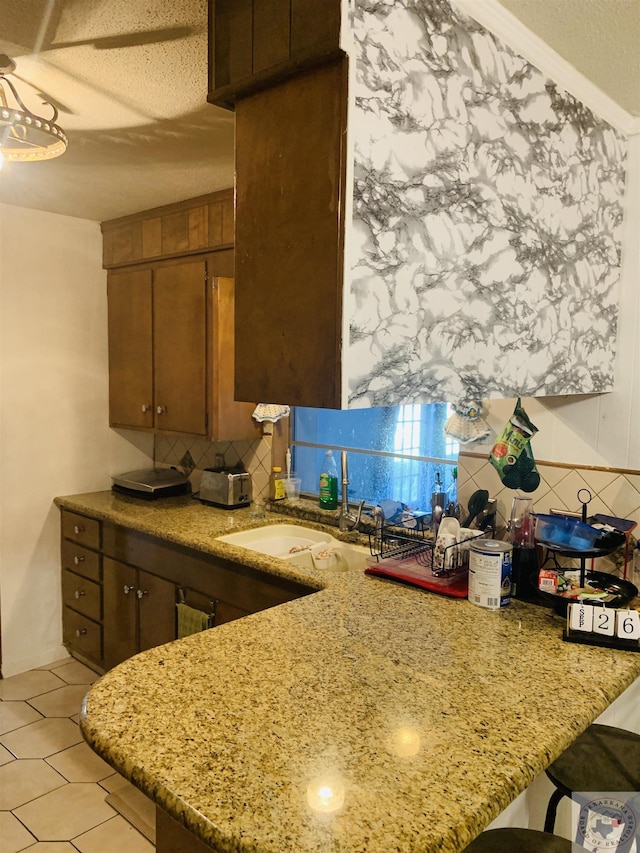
(290, 173)
(228, 419)
(130, 349)
(179, 329)
(157, 610)
(120, 583)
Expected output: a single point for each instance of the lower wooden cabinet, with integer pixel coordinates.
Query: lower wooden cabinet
(120, 594)
(171, 837)
(139, 611)
(82, 587)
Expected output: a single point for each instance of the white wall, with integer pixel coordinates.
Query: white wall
(54, 432)
(602, 429)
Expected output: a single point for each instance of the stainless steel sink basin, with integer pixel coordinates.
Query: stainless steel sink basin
(295, 543)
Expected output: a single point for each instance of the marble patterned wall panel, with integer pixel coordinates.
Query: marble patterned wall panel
(487, 217)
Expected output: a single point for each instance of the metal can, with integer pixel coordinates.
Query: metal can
(490, 573)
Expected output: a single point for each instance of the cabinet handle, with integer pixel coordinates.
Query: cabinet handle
(142, 592)
(78, 560)
(146, 407)
(161, 410)
(80, 632)
(79, 593)
(79, 528)
(127, 589)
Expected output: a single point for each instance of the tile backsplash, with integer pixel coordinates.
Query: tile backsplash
(193, 455)
(615, 492)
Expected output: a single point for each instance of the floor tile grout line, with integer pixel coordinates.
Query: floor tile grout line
(99, 783)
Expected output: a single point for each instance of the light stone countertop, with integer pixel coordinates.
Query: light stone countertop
(429, 715)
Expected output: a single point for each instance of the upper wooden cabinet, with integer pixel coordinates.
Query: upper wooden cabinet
(289, 239)
(255, 43)
(185, 228)
(171, 302)
(171, 351)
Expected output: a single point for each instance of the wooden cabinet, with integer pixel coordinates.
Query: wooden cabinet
(120, 594)
(189, 227)
(290, 175)
(171, 351)
(81, 587)
(254, 43)
(139, 611)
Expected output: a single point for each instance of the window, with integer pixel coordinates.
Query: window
(394, 452)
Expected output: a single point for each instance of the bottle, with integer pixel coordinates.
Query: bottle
(329, 482)
(524, 560)
(276, 485)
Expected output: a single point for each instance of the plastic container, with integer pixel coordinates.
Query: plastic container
(276, 485)
(324, 556)
(329, 482)
(558, 531)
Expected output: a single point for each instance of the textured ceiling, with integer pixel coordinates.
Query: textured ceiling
(130, 81)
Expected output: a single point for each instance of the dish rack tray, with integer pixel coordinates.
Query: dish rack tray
(389, 541)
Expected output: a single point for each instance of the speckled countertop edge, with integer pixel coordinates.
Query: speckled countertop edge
(253, 712)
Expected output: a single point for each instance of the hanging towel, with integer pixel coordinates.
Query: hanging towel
(190, 620)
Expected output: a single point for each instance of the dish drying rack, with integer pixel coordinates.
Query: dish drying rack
(389, 541)
(399, 543)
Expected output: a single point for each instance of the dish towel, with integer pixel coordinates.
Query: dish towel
(190, 620)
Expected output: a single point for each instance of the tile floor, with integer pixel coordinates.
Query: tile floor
(56, 795)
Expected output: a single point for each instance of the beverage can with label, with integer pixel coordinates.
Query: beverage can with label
(490, 573)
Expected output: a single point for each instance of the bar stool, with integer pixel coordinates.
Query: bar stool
(520, 841)
(602, 759)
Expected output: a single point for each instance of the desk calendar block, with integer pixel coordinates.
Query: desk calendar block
(595, 625)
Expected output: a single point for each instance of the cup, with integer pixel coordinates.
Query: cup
(292, 488)
(521, 523)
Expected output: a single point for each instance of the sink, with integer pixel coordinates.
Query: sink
(293, 543)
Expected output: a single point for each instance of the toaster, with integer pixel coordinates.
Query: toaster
(230, 489)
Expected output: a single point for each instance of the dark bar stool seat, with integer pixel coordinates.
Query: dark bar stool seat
(520, 841)
(603, 758)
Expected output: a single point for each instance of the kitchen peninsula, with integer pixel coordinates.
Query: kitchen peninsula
(366, 716)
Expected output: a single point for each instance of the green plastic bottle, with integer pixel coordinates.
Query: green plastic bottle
(329, 482)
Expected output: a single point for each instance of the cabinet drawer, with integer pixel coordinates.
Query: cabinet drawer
(80, 560)
(82, 635)
(82, 595)
(81, 529)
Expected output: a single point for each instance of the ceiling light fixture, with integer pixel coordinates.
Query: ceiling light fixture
(25, 136)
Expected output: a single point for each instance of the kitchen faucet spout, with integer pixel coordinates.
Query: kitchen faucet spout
(347, 520)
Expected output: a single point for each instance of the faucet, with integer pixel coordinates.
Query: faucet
(347, 520)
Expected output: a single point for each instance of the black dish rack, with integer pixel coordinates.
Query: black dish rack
(392, 542)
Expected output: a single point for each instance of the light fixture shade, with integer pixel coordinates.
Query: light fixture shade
(25, 136)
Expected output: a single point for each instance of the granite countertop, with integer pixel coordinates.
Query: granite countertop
(420, 717)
